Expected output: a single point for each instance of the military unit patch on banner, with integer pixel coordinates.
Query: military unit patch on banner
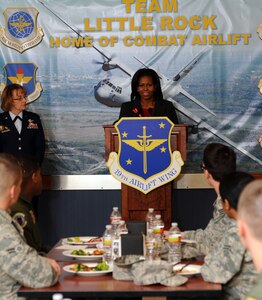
(25, 75)
(21, 31)
(144, 160)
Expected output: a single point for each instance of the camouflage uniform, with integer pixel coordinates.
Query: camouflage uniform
(208, 237)
(24, 215)
(256, 291)
(19, 263)
(230, 264)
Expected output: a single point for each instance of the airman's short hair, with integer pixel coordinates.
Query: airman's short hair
(10, 171)
(219, 160)
(250, 207)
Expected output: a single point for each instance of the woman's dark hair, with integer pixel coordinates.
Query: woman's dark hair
(158, 95)
(219, 160)
(232, 185)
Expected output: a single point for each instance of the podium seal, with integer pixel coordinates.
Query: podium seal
(144, 160)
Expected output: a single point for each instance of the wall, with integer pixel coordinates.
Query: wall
(64, 213)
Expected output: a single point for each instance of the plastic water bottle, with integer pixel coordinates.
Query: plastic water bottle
(115, 218)
(158, 230)
(150, 216)
(116, 246)
(174, 244)
(150, 244)
(122, 229)
(107, 245)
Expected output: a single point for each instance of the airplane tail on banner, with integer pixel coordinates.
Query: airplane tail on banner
(202, 124)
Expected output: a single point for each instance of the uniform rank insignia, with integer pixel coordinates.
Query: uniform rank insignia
(32, 124)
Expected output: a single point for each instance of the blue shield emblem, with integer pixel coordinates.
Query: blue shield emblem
(144, 160)
(144, 145)
(24, 74)
(21, 31)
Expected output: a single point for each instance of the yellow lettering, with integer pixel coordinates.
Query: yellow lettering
(132, 25)
(155, 40)
(54, 42)
(209, 22)
(103, 41)
(108, 22)
(121, 23)
(194, 22)
(170, 7)
(180, 23)
(66, 42)
(141, 6)
(212, 39)
(128, 4)
(146, 23)
(246, 37)
(88, 41)
(77, 42)
(154, 6)
(166, 23)
(87, 25)
(128, 41)
(196, 40)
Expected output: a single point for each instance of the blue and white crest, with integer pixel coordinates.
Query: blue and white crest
(144, 160)
(21, 31)
(25, 75)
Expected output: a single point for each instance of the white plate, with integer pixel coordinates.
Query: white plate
(189, 270)
(88, 256)
(87, 273)
(80, 240)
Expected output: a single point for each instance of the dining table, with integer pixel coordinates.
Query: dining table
(73, 285)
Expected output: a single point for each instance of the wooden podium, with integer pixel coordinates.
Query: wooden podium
(135, 204)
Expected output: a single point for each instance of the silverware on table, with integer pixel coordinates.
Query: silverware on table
(183, 267)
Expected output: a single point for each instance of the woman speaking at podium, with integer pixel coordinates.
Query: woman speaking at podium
(147, 98)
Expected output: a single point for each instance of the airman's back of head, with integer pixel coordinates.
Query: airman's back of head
(250, 207)
(7, 95)
(219, 160)
(10, 171)
(29, 166)
(232, 185)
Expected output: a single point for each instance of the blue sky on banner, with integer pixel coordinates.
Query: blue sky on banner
(73, 106)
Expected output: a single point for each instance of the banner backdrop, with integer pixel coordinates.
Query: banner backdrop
(76, 59)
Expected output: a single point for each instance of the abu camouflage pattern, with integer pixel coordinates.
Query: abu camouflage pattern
(230, 264)
(206, 238)
(20, 264)
(145, 272)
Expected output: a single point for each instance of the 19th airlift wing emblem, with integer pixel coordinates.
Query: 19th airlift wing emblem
(144, 160)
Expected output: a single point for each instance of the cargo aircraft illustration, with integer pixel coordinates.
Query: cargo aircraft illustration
(113, 91)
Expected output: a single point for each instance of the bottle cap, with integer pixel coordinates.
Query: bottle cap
(151, 210)
(158, 216)
(174, 224)
(57, 296)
